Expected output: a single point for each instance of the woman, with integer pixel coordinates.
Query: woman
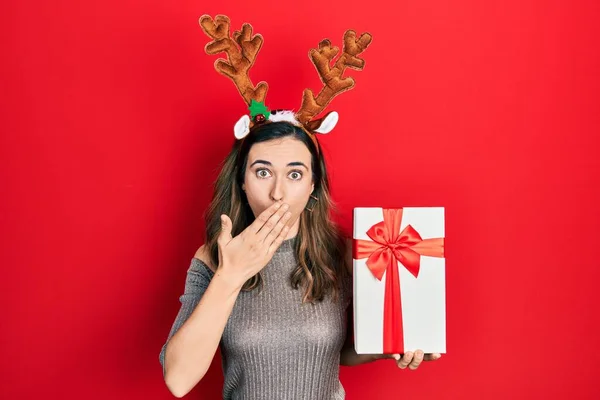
(272, 285)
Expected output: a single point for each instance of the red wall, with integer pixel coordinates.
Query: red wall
(114, 120)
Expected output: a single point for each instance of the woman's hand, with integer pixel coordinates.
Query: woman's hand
(243, 256)
(412, 360)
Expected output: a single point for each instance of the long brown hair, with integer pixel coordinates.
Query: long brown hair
(320, 244)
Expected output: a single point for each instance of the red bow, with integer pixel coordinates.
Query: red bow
(388, 247)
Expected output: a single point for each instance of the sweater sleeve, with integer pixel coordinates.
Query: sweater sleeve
(198, 277)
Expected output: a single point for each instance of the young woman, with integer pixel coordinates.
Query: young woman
(272, 285)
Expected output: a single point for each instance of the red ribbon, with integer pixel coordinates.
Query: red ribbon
(388, 247)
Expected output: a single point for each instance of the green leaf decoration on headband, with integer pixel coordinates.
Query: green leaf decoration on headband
(258, 107)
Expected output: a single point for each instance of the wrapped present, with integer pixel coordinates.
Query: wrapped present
(399, 280)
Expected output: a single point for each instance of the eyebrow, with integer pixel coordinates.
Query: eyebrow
(292, 164)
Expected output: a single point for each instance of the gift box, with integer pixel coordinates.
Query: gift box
(399, 280)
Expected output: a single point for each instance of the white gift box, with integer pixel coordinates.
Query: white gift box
(401, 273)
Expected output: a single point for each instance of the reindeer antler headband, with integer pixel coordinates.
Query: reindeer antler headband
(242, 49)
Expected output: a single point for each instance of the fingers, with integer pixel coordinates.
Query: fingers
(272, 222)
(225, 234)
(412, 360)
(278, 233)
(263, 217)
(432, 357)
(405, 360)
(417, 360)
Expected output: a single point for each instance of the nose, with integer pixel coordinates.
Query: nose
(277, 190)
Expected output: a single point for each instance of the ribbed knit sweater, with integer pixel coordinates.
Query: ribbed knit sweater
(273, 346)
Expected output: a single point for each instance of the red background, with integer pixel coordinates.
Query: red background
(114, 120)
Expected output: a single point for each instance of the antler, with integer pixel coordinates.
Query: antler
(239, 59)
(332, 77)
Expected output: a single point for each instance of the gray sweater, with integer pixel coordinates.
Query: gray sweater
(273, 346)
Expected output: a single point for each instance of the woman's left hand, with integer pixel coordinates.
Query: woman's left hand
(412, 360)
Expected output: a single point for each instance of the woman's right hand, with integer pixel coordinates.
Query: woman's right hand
(243, 256)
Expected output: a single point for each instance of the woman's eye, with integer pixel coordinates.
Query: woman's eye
(262, 173)
(296, 175)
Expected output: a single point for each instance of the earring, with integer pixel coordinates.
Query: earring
(312, 197)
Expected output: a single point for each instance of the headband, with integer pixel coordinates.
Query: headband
(241, 50)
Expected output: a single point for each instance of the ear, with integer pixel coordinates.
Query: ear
(326, 125)
(242, 127)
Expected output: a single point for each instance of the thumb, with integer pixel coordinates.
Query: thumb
(226, 226)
